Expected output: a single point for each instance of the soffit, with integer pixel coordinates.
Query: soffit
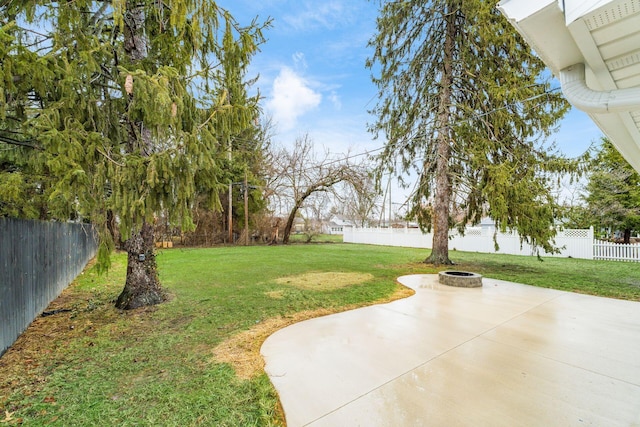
(605, 36)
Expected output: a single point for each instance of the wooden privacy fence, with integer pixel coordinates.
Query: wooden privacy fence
(37, 261)
(572, 243)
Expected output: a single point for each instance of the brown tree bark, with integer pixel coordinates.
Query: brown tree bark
(142, 287)
(112, 226)
(321, 186)
(442, 203)
(292, 215)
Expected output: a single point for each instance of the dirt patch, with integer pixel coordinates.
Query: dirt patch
(325, 281)
(242, 351)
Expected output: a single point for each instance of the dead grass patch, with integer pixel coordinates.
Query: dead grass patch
(242, 351)
(275, 294)
(324, 281)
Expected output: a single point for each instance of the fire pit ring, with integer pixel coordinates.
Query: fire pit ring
(460, 279)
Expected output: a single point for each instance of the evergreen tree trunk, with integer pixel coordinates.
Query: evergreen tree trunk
(441, 208)
(142, 287)
(112, 226)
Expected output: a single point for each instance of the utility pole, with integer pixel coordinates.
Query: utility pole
(246, 209)
(389, 200)
(230, 219)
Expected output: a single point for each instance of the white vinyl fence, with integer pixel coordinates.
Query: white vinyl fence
(572, 243)
(616, 251)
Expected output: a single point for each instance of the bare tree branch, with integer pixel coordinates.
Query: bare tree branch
(299, 173)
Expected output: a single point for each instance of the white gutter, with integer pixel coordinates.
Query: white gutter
(575, 89)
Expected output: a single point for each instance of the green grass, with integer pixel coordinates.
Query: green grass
(318, 238)
(603, 278)
(99, 366)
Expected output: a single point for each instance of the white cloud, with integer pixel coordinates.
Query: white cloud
(299, 60)
(335, 100)
(326, 14)
(292, 97)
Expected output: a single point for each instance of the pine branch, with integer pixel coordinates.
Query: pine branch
(104, 153)
(12, 141)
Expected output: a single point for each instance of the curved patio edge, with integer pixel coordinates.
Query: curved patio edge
(502, 354)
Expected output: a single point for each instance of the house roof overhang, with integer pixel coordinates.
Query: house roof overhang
(602, 35)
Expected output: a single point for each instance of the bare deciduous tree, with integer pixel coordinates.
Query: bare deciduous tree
(360, 198)
(300, 172)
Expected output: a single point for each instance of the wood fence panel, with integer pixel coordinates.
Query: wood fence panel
(37, 261)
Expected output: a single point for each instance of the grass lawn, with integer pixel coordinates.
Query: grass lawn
(318, 238)
(193, 360)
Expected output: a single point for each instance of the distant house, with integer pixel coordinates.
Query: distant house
(298, 225)
(335, 224)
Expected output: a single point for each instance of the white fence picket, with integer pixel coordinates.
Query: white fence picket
(616, 251)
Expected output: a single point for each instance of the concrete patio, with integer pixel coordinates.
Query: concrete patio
(505, 354)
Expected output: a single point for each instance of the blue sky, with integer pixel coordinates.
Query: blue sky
(314, 81)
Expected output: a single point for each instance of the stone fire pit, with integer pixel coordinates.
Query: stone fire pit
(460, 279)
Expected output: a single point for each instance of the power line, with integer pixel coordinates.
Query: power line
(467, 119)
(470, 118)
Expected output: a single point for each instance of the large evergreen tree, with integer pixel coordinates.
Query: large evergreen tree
(463, 103)
(129, 104)
(613, 192)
